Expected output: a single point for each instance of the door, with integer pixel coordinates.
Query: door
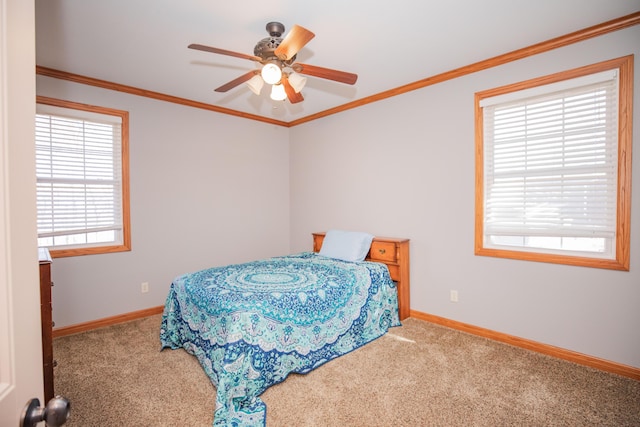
(20, 339)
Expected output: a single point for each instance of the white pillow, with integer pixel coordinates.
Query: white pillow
(346, 245)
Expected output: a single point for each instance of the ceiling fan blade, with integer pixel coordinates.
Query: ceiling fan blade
(325, 73)
(223, 52)
(294, 97)
(292, 43)
(235, 82)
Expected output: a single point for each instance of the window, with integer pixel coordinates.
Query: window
(82, 178)
(553, 167)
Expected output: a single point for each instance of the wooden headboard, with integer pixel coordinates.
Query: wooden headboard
(394, 253)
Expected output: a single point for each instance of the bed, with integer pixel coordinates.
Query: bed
(250, 325)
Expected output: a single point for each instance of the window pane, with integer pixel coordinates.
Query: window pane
(553, 167)
(550, 163)
(79, 184)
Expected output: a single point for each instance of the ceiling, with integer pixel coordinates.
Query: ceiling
(143, 43)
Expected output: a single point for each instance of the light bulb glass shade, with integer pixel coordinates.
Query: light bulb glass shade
(271, 73)
(255, 83)
(297, 81)
(278, 93)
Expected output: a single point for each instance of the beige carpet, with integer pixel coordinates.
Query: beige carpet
(419, 374)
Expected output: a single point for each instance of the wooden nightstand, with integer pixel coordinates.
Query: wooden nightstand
(394, 253)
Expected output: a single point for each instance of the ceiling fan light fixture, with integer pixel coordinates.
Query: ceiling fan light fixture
(275, 56)
(297, 81)
(255, 83)
(278, 93)
(271, 73)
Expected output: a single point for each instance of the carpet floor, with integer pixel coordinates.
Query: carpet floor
(419, 374)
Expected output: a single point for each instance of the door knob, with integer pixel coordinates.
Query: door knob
(54, 414)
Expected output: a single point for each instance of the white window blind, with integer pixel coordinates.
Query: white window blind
(79, 184)
(550, 167)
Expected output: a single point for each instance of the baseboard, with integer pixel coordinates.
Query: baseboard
(549, 350)
(107, 321)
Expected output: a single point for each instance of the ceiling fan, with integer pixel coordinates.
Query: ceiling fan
(277, 57)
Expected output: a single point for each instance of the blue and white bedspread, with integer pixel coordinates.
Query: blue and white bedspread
(250, 325)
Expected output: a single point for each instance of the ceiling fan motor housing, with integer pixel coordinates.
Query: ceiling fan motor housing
(266, 47)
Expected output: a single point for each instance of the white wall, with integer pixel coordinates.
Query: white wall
(404, 167)
(206, 189)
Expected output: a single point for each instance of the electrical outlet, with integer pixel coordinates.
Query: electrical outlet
(144, 288)
(453, 296)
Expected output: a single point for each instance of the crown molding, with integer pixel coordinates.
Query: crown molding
(545, 46)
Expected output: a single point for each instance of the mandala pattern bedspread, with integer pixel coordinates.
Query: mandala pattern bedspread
(250, 325)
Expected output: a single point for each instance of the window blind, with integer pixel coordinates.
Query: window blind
(550, 163)
(79, 186)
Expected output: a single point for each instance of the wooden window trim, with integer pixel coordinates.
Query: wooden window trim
(126, 217)
(625, 124)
